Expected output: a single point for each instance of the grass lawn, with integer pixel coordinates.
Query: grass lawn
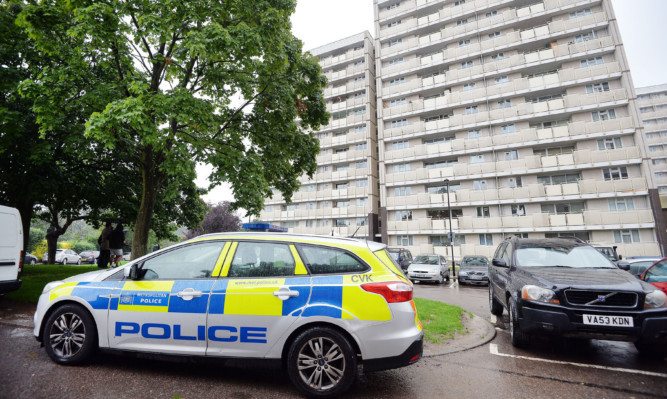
(440, 320)
(35, 277)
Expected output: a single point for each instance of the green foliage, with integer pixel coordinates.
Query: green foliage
(183, 82)
(65, 245)
(80, 246)
(439, 320)
(40, 249)
(35, 277)
(36, 237)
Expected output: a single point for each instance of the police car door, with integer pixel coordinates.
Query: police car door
(164, 310)
(263, 290)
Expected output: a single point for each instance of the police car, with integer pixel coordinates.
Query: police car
(317, 306)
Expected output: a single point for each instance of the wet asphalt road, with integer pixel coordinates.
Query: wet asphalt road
(548, 369)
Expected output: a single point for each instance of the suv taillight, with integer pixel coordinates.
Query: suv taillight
(392, 291)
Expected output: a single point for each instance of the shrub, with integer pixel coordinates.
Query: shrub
(40, 249)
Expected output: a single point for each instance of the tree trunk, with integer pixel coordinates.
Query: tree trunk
(52, 244)
(142, 224)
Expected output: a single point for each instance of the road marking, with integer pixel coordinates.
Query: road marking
(493, 349)
(453, 284)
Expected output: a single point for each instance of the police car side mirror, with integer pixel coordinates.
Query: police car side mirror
(135, 272)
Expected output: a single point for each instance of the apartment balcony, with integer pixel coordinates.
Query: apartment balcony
(347, 56)
(421, 226)
(350, 137)
(350, 156)
(349, 103)
(331, 91)
(346, 73)
(350, 120)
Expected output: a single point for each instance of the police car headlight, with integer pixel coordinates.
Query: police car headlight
(539, 294)
(655, 299)
(50, 286)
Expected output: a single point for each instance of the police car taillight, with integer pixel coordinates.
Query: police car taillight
(393, 291)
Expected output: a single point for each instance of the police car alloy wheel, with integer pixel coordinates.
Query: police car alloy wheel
(321, 363)
(70, 335)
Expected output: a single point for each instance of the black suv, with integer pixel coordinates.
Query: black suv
(402, 256)
(568, 288)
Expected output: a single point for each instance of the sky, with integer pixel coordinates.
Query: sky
(643, 25)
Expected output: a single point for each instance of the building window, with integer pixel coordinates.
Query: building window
(360, 62)
(402, 191)
(463, 43)
(310, 223)
(558, 179)
(362, 183)
(603, 115)
(341, 222)
(591, 61)
(477, 158)
(498, 57)
(561, 208)
(360, 95)
(342, 204)
(396, 82)
(597, 88)
(467, 64)
(400, 145)
(404, 241)
(480, 185)
(403, 215)
(483, 212)
(621, 204)
(395, 42)
(401, 167)
(474, 133)
(473, 109)
(580, 13)
(397, 102)
(393, 5)
(310, 205)
(514, 182)
(510, 155)
(486, 239)
(360, 111)
(501, 79)
(585, 37)
(361, 164)
(340, 168)
(443, 189)
(341, 186)
(617, 173)
(399, 123)
(491, 14)
(396, 61)
(504, 129)
(362, 201)
(469, 86)
(504, 104)
(609, 143)
(361, 221)
(462, 22)
(459, 2)
(494, 35)
(394, 23)
(361, 146)
(518, 210)
(361, 129)
(626, 236)
(340, 150)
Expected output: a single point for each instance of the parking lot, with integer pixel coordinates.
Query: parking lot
(548, 368)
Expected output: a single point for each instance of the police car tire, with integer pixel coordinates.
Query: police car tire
(76, 327)
(303, 346)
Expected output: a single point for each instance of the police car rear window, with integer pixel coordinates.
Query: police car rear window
(323, 260)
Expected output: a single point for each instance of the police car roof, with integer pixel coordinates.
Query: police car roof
(372, 245)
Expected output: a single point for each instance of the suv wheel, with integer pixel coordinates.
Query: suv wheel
(519, 338)
(321, 363)
(69, 335)
(495, 306)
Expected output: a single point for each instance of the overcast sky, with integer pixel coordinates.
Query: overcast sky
(643, 25)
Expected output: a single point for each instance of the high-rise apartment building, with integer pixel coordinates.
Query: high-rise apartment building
(526, 108)
(652, 103)
(342, 196)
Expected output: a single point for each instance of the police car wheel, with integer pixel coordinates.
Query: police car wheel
(69, 335)
(321, 363)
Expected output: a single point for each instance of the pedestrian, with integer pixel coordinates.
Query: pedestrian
(116, 240)
(103, 241)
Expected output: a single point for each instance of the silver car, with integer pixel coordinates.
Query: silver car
(64, 256)
(474, 270)
(429, 268)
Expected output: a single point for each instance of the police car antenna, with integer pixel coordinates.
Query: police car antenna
(355, 232)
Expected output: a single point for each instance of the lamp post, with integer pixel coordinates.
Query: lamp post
(451, 235)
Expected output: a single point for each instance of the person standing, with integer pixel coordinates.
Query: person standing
(116, 240)
(103, 240)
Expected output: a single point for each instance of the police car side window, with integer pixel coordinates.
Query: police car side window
(189, 262)
(262, 259)
(321, 260)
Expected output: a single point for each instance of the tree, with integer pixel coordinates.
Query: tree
(218, 219)
(220, 82)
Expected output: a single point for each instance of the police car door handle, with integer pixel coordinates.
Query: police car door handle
(189, 293)
(284, 293)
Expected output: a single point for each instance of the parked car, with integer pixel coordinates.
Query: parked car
(334, 304)
(89, 256)
(474, 270)
(657, 275)
(126, 256)
(567, 288)
(402, 256)
(429, 268)
(639, 265)
(610, 253)
(30, 259)
(64, 256)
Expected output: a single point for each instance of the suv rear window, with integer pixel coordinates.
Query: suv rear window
(322, 260)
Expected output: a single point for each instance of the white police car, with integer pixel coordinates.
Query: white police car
(315, 305)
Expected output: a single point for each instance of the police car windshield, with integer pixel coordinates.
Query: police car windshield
(554, 256)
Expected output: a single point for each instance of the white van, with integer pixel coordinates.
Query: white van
(11, 249)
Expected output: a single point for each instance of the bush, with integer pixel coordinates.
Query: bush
(80, 246)
(65, 245)
(35, 238)
(40, 249)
